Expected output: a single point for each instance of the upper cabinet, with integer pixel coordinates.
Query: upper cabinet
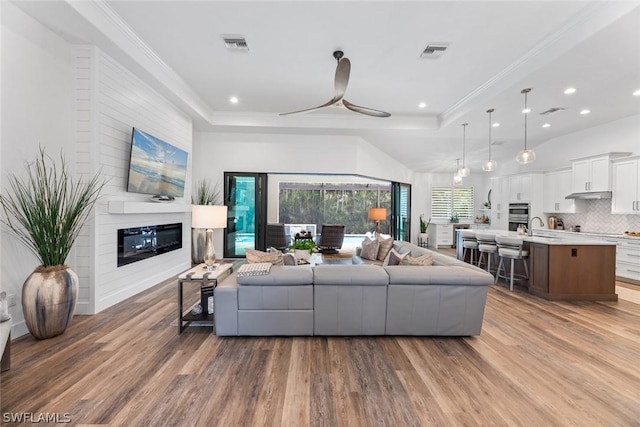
(499, 194)
(593, 173)
(557, 185)
(625, 197)
(520, 188)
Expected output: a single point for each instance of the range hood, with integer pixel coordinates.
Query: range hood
(591, 195)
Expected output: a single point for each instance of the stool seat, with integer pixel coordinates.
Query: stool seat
(469, 242)
(487, 246)
(511, 248)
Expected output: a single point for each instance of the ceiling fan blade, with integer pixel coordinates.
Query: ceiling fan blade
(325, 105)
(364, 110)
(342, 76)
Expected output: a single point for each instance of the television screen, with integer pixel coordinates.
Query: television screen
(156, 167)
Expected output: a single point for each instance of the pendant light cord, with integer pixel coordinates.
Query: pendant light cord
(464, 139)
(490, 111)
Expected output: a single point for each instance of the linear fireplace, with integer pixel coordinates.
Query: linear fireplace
(138, 243)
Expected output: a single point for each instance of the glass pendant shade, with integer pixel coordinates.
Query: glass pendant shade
(464, 172)
(525, 156)
(457, 178)
(490, 165)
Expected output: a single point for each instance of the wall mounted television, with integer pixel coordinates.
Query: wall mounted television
(156, 167)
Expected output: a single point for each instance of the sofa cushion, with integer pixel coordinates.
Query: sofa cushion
(370, 249)
(257, 269)
(281, 276)
(385, 246)
(362, 275)
(437, 275)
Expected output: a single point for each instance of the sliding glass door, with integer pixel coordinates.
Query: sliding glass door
(401, 212)
(245, 194)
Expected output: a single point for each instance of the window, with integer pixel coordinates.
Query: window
(445, 201)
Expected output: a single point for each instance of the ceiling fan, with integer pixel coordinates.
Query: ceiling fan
(341, 80)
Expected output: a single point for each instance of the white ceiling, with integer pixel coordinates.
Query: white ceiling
(496, 49)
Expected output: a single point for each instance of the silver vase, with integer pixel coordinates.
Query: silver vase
(198, 237)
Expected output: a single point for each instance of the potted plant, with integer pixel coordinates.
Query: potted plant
(423, 237)
(46, 211)
(303, 245)
(204, 193)
(454, 218)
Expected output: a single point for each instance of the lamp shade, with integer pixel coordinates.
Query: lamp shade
(377, 214)
(208, 216)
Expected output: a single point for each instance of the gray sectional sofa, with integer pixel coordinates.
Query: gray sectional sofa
(445, 299)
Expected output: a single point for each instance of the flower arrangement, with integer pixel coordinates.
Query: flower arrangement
(303, 241)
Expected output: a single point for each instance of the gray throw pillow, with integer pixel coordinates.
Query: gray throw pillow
(395, 257)
(385, 247)
(370, 249)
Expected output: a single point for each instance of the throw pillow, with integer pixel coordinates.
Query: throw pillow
(395, 257)
(255, 256)
(257, 269)
(385, 247)
(426, 259)
(370, 249)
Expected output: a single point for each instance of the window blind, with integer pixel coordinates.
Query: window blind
(445, 201)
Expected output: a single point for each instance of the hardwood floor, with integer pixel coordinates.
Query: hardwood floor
(536, 363)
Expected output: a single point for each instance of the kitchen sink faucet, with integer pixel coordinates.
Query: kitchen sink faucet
(531, 220)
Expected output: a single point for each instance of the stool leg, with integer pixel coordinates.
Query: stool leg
(489, 262)
(526, 267)
(511, 280)
(500, 264)
(481, 258)
(464, 254)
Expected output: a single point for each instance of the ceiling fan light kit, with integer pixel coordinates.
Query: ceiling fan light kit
(525, 156)
(343, 70)
(490, 165)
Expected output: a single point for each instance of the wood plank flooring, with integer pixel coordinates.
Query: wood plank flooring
(536, 363)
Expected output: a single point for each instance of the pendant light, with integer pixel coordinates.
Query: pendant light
(490, 165)
(525, 156)
(457, 178)
(464, 172)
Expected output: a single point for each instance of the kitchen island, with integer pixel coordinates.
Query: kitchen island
(568, 269)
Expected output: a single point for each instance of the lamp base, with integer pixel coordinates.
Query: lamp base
(209, 253)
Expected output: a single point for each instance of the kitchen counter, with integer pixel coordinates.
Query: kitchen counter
(567, 267)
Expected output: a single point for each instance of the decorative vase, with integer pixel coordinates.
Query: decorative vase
(49, 298)
(198, 237)
(423, 239)
(302, 254)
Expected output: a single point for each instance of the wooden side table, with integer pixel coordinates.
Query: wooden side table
(205, 278)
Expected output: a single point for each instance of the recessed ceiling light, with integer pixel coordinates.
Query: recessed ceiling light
(569, 90)
(526, 110)
(233, 100)
(583, 112)
(496, 125)
(546, 125)
(636, 93)
(422, 105)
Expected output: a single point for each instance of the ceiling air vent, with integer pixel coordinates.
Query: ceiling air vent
(497, 143)
(552, 110)
(434, 50)
(236, 43)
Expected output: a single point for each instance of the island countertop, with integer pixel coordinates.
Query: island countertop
(564, 240)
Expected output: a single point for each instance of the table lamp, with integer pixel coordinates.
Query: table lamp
(209, 217)
(377, 215)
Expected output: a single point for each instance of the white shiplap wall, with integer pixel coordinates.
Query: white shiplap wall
(110, 102)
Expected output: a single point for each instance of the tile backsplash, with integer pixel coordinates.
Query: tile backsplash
(598, 218)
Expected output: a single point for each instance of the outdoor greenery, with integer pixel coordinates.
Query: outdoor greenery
(47, 210)
(206, 193)
(333, 204)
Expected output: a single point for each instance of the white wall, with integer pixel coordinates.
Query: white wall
(80, 101)
(37, 109)
(111, 101)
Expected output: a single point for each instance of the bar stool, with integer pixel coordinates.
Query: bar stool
(487, 247)
(510, 247)
(469, 242)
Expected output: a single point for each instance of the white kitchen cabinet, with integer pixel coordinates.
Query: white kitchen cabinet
(499, 203)
(440, 235)
(625, 196)
(628, 259)
(593, 173)
(520, 188)
(557, 185)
